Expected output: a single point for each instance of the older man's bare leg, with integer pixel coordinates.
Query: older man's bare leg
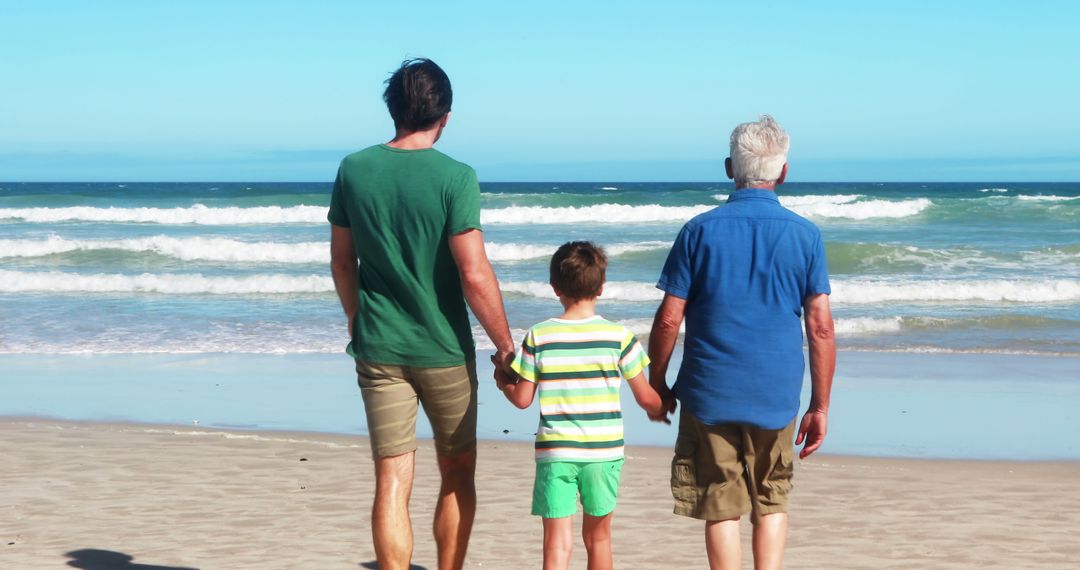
(770, 535)
(723, 545)
(391, 528)
(456, 508)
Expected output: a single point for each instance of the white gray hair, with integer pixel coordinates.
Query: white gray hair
(758, 151)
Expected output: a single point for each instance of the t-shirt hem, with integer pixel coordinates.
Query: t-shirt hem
(465, 228)
(573, 460)
(338, 221)
(680, 292)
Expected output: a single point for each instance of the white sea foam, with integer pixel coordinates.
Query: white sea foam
(1017, 291)
(196, 283)
(848, 206)
(519, 251)
(1047, 198)
(867, 210)
(178, 284)
(188, 249)
(841, 206)
(600, 213)
(998, 190)
(222, 249)
(197, 214)
(800, 201)
(860, 326)
(807, 201)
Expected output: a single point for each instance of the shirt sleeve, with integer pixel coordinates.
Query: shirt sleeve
(338, 214)
(633, 359)
(463, 204)
(675, 277)
(525, 361)
(817, 275)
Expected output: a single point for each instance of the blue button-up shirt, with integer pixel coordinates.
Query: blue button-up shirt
(744, 269)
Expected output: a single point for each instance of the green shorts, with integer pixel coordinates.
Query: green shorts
(555, 493)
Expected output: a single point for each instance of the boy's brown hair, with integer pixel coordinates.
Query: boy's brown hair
(578, 269)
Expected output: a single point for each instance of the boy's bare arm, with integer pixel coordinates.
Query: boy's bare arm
(645, 395)
(519, 393)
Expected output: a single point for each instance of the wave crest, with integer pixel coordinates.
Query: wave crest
(198, 214)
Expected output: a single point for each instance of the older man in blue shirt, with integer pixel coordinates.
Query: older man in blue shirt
(744, 276)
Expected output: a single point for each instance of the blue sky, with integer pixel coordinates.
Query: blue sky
(597, 91)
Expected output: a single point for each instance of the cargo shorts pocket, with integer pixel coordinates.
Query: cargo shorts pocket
(684, 484)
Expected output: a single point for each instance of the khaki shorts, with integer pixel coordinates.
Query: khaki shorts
(724, 471)
(391, 394)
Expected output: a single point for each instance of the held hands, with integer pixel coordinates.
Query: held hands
(812, 430)
(667, 404)
(504, 375)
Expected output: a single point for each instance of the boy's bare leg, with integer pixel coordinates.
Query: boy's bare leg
(391, 529)
(456, 508)
(596, 533)
(723, 545)
(770, 534)
(558, 542)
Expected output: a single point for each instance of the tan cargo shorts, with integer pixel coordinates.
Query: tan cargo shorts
(391, 394)
(724, 471)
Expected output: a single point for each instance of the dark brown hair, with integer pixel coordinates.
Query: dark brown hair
(578, 269)
(418, 95)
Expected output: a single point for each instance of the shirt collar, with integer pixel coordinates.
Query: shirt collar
(748, 193)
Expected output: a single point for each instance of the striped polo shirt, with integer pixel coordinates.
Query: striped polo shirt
(578, 366)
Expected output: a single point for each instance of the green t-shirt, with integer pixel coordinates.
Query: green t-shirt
(402, 206)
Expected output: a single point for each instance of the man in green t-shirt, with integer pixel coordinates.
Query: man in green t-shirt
(407, 253)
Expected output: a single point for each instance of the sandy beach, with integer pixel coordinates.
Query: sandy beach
(105, 496)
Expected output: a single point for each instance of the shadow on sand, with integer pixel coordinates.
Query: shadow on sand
(373, 565)
(94, 559)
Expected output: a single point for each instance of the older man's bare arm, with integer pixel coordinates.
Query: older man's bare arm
(822, 346)
(662, 338)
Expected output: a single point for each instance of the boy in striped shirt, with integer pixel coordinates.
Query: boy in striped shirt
(577, 362)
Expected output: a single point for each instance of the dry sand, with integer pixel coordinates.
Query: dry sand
(116, 496)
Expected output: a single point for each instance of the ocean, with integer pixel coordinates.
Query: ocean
(134, 268)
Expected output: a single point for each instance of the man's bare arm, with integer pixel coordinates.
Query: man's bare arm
(665, 331)
(343, 264)
(481, 290)
(822, 347)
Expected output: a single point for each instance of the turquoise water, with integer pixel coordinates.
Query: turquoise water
(957, 305)
(242, 268)
(976, 406)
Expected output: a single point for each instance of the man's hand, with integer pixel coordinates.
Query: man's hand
(812, 430)
(667, 404)
(503, 373)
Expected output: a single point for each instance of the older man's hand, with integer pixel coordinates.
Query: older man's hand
(812, 430)
(667, 404)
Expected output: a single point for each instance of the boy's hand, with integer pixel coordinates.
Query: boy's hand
(504, 375)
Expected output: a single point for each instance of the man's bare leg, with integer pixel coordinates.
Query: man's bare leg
(391, 529)
(456, 508)
(558, 543)
(596, 534)
(723, 545)
(770, 535)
